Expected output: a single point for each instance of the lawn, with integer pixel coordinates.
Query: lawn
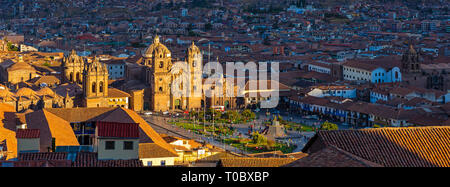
(200, 128)
(248, 145)
(298, 127)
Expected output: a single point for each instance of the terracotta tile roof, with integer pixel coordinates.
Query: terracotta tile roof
(180, 148)
(281, 87)
(51, 126)
(78, 114)
(27, 133)
(331, 157)
(88, 159)
(39, 163)
(118, 114)
(255, 162)
(393, 147)
(266, 154)
(7, 133)
(277, 154)
(113, 92)
(117, 130)
(153, 150)
(218, 156)
(43, 156)
(49, 79)
(110, 163)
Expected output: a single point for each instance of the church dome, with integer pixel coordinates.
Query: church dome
(157, 48)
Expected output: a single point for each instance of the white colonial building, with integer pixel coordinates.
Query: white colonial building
(336, 91)
(361, 71)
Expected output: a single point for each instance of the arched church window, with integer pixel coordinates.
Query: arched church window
(100, 89)
(160, 89)
(161, 64)
(94, 86)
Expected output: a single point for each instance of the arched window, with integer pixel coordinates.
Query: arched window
(94, 86)
(396, 75)
(100, 87)
(71, 77)
(161, 64)
(78, 78)
(160, 89)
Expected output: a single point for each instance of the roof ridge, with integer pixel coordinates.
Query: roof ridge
(355, 157)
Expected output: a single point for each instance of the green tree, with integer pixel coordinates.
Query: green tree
(280, 118)
(259, 138)
(248, 114)
(214, 113)
(328, 126)
(232, 115)
(12, 47)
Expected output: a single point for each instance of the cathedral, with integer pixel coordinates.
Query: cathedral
(157, 61)
(410, 61)
(93, 78)
(429, 76)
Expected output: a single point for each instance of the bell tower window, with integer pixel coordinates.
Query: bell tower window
(100, 89)
(94, 86)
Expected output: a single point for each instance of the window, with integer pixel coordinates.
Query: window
(100, 87)
(163, 162)
(109, 145)
(93, 87)
(128, 145)
(161, 64)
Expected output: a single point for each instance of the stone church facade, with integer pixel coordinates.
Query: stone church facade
(159, 75)
(429, 76)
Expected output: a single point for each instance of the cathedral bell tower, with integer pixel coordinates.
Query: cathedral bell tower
(158, 62)
(194, 60)
(95, 84)
(410, 61)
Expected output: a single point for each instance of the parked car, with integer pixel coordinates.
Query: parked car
(148, 113)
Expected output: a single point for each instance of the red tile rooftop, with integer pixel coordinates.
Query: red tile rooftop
(118, 130)
(28, 133)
